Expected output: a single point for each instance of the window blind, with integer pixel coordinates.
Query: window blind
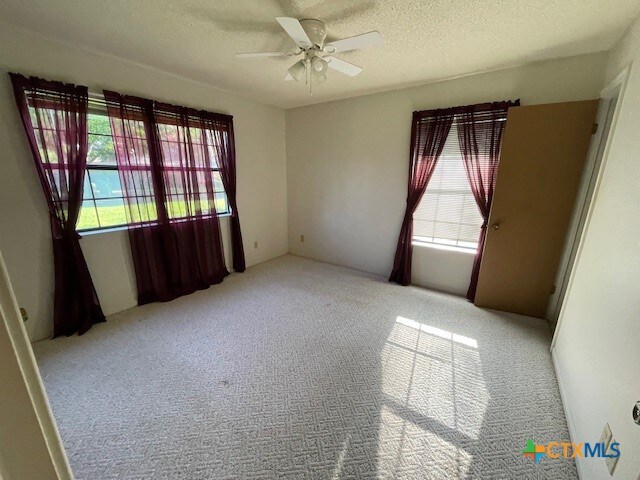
(447, 213)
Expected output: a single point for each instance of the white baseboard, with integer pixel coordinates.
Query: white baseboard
(567, 410)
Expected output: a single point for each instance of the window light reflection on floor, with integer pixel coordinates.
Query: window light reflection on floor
(469, 342)
(337, 471)
(434, 395)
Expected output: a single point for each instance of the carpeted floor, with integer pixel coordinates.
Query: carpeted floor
(299, 369)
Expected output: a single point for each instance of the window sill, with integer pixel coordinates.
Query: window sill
(438, 246)
(99, 231)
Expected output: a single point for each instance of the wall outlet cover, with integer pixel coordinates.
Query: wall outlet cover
(605, 436)
(611, 461)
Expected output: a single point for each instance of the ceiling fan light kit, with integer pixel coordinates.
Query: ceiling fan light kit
(319, 65)
(298, 70)
(309, 35)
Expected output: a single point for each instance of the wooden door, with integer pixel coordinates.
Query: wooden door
(543, 154)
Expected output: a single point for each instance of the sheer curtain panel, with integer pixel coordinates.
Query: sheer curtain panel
(169, 169)
(54, 116)
(480, 129)
(429, 132)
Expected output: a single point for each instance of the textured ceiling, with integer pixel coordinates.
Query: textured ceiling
(424, 40)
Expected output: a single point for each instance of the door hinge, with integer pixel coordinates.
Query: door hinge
(553, 289)
(594, 129)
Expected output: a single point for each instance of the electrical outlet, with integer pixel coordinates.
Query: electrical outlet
(255, 244)
(301, 238)
(611, 461)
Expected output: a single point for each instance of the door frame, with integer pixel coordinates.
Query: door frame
(12, 327)
(614, 89)
(604, 120)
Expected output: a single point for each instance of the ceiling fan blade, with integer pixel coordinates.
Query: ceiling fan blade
(364, 40)
(261, 55)
(296, 32)
(342, 66)
(288, 77)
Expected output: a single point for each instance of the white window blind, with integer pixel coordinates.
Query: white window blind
(447, 213)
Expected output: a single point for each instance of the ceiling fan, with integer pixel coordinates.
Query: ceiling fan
(309, 36)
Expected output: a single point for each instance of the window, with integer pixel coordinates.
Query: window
(171, 137)
(448, 213)
(104, 205)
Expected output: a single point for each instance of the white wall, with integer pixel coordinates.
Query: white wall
(24, 228)
(597, 346)
(347, 164)
(441, 269)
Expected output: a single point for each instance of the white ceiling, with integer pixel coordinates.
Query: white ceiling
(425, 40)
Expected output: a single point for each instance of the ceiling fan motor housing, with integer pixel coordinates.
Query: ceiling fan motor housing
(315, 30)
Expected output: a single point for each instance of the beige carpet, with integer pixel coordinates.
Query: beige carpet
(299, 369)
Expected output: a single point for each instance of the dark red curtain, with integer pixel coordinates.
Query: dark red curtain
(429, 133)
(218, 134)
(167, 174)
(480, 129)
(54, 116)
